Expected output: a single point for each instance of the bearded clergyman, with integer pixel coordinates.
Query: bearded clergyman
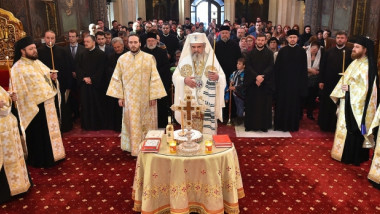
(163, 68)
(36, 107)
(356, 94)
(199, 71)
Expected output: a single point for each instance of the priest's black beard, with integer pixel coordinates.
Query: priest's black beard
(31, 57)
(339, 46)
(134, 52)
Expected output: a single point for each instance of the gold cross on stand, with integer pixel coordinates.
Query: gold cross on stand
(186, 110)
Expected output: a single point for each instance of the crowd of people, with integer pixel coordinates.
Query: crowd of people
(122, 79)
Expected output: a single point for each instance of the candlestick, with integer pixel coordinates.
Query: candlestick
(344, 59)
(10, 78)
(180, 102)
(52, 56)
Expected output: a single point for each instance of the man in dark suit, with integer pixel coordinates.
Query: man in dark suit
(74, 50)
(101, 43)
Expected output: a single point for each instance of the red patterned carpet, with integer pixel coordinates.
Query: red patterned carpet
(280, 175)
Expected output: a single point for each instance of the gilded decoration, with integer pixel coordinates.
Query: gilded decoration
(360, 14)
(199, 68)
(243, 2)
(208, 69)
(69, 4)
(186, 71)
(51, 15)
(11, 30)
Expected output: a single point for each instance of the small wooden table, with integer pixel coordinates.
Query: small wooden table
(204, 183)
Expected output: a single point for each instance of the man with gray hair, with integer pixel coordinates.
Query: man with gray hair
(113, 112)
(199, 71)
(163, 68)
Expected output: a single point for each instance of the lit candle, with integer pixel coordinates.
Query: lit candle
(208, 146)
(173, 147)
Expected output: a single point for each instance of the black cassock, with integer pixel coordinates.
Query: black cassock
(61, 63)
(227, 54)
(163, 67)
(258, 100)
(92, 64)
(331, 66)
(291, 85)
(112, 111)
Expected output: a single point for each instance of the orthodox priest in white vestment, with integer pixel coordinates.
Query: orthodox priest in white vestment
(13, 172)
(199, 70)
(32, 80)
(136, 82)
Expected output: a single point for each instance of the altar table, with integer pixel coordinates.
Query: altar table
(204, 183)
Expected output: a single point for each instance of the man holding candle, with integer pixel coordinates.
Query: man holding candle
(356, 92)
(36, 108)
(199, 70)
(56, 58)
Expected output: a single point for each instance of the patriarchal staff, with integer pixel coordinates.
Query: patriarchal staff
(38, 116)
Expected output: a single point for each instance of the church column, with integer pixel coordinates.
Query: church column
(229, 10)
(184, 10)
(99, 11)
(287, 12)
(272, 13)
(312, 15)
(141, 10)
(125, 11)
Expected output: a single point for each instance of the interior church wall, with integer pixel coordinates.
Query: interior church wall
(252, 9)
(74, 14)
(31, 13)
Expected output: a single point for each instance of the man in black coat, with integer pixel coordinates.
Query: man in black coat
(90, 79)
(112, 111)
(163, 67)
(227, 51)
(331, 66)
(61, 60)
(169, 40)
(259, 85)
(291, 84)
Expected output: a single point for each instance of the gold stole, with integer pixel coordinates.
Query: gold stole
(54, 131)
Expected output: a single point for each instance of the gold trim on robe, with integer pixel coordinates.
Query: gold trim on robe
(137, 81)
(374, 171)
(32, 82)
(356, 76)
(11, 153)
